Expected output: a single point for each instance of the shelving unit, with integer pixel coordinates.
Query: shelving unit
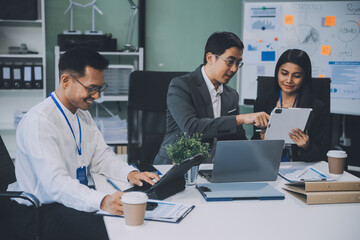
(14, 33)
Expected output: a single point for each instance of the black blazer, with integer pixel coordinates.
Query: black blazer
(318, 127)
(189, 109)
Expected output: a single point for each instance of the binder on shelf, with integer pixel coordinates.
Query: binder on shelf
(28, 76)
(121, 149)
(325, 193)
(38, 75)
(17, 75)
(6, 77)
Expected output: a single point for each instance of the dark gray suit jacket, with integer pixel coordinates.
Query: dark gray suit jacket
(189, 109)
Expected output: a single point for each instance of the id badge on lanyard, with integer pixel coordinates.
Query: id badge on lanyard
(80, 171)
(81, 175)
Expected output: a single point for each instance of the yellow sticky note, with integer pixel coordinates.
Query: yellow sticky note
(330, 21)
(325, 50)
(289, 19)
(321, 75)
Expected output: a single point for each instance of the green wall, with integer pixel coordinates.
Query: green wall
(176, 31)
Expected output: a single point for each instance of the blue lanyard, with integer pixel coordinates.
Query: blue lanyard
(281, 100)
(62, 111)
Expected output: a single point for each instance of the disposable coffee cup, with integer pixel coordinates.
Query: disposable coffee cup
(134, 208)
(336, 161)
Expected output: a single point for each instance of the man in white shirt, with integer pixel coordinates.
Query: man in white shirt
(201, 101)
(58, 143)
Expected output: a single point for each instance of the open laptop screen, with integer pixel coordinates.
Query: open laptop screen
(246, 161)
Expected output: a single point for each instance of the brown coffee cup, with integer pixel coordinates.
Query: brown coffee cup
(336, 161)
(134, 208)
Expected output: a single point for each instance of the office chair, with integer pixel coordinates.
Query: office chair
(147, 114)
(7, 176)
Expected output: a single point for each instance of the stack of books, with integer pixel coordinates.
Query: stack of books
(325, 192)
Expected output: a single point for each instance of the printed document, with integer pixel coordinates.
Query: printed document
(164, 212)
(301, 174)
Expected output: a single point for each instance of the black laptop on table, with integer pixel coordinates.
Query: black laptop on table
(245, 161)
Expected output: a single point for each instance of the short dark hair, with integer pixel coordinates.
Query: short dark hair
(219, 42)
(76, 59)
(302, 59)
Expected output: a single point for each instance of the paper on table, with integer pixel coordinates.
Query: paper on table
(298, 174)
(164, 212)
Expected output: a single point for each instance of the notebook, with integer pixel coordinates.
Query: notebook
(238, 191)
(171, 183)
(245, 161)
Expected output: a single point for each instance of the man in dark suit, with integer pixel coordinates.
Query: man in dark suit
(201, 102)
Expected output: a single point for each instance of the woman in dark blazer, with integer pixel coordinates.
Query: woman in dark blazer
(293, 89)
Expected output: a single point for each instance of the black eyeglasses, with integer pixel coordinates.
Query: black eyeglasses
(92, 90)
(230, 63)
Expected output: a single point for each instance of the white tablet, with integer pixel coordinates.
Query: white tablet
(283, 120)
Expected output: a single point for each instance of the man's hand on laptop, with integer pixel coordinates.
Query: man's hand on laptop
(136, 178)
(259, 119)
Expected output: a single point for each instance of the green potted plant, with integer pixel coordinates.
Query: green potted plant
(185, 147)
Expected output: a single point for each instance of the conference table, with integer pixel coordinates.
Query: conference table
(244, 219)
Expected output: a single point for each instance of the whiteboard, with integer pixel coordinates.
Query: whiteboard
(327, 31)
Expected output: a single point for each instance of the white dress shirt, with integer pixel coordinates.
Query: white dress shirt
(47, 158)
(216, 103)
(214, 94)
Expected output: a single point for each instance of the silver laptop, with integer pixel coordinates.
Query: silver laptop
(245, 161)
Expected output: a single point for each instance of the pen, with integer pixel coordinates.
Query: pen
(318, 173)
(159, 202)
(113, 184)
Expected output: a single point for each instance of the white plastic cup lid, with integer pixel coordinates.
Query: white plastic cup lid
(134, 198)
(337, 154)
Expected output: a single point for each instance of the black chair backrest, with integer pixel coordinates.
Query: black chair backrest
(147, 113)
(319, 86)
(7, 169)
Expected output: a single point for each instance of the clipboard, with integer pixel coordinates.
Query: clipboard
(283, 120)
